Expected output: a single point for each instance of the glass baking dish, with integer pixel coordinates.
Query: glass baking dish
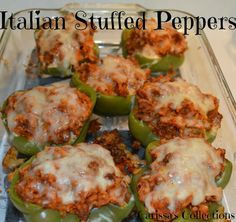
(200, 67)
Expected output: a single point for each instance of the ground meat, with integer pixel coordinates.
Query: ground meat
(53, 113)
(156, 42)
(125, 160)
(67, 47)
(114, 75)
(164, 104)
(60, 179)
(167, 175)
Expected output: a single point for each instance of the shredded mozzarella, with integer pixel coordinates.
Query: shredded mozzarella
(189, 172)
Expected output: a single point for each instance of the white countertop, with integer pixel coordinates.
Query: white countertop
(223, 42)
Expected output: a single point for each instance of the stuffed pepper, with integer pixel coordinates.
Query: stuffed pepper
(72, 183)
(53, 114)
(159, 50)
(171, 107)
(183, 181)
(116, 80)
(60, 52)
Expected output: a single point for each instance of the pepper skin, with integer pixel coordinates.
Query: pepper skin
(35, 213)
(148, 150)
(160, 64)
(223, 180)
(108, 105)
(142, 132)
(183, 217)
(29, 148)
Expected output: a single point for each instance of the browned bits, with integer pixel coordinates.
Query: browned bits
(110, 176)
(24, 126)
(11, 160)
(125, 160)
(94, 126)
(93, 165)
(136, 144)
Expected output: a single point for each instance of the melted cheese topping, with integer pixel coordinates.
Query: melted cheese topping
(52, 113)
(65, 47)
(149, 52)
(190, 172)
(117, 76)
(173, 94)
(76, 165)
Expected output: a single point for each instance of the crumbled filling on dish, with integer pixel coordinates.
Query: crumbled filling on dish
(53, 113)
(126, 161)
(65, 48)
(182, 175)
(156, 43)
(73, 179)
(12, 160)
(174, 107)
(114, 75)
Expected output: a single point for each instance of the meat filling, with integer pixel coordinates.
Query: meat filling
(54, 113)
(114, 75)
(156, 43)
(176, 108)
(73, 180)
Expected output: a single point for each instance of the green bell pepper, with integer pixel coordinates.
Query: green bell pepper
(142, 132)
(27, 147)
(62, 71)
(185, 216)
(108, 105)
(221, 181)
(158, 64)
(36, 213)
(125, 35)
(59, 71)
(148, 150)
(210, 135)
